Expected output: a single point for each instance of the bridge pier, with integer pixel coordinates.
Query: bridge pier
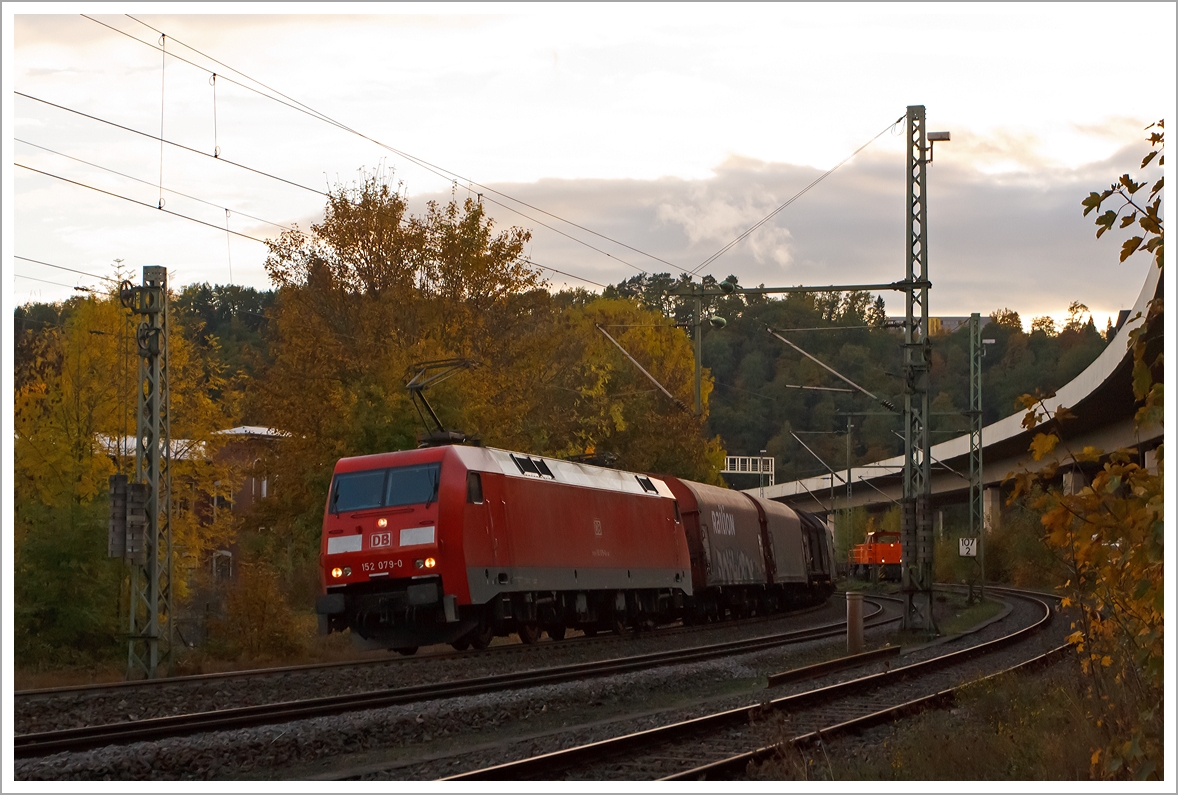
(1073, 482)
(1151, 461)
(992, 508)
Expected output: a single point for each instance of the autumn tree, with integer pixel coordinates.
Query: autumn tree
(594, 399)
(373, 289)
(361, 297)
(75, 406)
(1110, 535)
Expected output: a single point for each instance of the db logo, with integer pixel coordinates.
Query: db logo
(382, 540)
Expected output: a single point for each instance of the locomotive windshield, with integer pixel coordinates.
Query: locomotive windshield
(385, 488)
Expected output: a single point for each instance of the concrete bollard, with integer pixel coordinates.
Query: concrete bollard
(854, 623)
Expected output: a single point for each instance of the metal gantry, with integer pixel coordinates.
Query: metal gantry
(916, 536)
(146, 508)
(700, 291)
(749, 465)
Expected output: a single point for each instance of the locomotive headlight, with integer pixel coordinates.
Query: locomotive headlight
(337, 572)
(382, 522)
(430, 563)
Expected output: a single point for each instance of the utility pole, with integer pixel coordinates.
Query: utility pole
(698, 291)
(847, 517)
(141, 511)
(699, 351)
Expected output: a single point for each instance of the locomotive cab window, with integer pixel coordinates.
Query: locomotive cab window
(385, 488)
(413, 485)
(474, 488)
(356, 491)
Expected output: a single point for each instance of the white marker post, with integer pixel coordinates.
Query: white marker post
(967, 547)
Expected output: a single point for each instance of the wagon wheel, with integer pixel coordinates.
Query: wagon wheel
(529, 632)
(408, 651)
(590, 630)
(556, 631)
(481, 638)
(462, 644)
(619, 626)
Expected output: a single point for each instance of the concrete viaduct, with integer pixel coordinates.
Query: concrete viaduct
(1101, 398)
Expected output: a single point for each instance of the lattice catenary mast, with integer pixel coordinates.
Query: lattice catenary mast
(141, 511)
(916, 529)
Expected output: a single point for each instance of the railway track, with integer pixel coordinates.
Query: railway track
(721, 743)
(505, 649)
(79, 739)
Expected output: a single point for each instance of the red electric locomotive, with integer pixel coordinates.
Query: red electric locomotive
(455, 544)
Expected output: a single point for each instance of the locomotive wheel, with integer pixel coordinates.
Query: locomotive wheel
(461, 645)
(556, 631)
(408, 651)
(483, 636)
(529, 632)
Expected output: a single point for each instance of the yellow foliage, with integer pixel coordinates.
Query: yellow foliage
(1111, 535)
(1043, 444)
(78, 399)
(352, 319)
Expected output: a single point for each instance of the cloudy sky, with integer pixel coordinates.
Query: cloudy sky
(669, 128)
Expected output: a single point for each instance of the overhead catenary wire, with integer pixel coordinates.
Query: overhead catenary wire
(935, 459)
(563, 273)
(820, 461)
(230, 162)
(146, 182)
(433, 168)
(137, 201)
(679, 403)
(886, 404)
(877, 488)
(101, 120)
(824, 328)
(564, 234)
(814, 497)
(203, 201)
(46, 281)
(63, 268)
(791, 200)
(787, 386)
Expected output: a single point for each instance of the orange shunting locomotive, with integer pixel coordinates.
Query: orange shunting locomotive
(877, 558)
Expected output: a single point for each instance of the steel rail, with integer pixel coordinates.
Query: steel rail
(79, 739)
(508, 648)
(545, 764)
(939, 700)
